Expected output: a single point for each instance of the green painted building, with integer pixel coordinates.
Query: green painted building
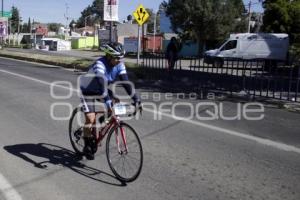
(85, 42)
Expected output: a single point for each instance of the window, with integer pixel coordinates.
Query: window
(229, 45)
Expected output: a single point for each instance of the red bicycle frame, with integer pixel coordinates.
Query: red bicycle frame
(114, 122)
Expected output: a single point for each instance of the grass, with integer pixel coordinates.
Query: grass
(68, 62)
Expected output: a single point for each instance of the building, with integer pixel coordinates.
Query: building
(128, 31)
(40, 29)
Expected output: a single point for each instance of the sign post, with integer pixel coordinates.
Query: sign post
(139, 46)
(141, 15)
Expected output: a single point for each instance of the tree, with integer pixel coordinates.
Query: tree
(276, 17)
(129, 18)
(15, 19)
(204, 20)
(295, 23)
(29, 26)
(92, 14)
(282, 16)
(24, 28)
(71, 24)
(54, 27)
(151, 20)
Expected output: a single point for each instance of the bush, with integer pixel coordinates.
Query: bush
(27, 46)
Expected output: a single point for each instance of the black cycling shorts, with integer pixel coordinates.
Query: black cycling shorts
(92, 104)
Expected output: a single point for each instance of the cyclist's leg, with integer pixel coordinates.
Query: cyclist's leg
(90, 119)
(88, 104)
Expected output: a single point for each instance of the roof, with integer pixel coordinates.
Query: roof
(52, 39)
(258, 35)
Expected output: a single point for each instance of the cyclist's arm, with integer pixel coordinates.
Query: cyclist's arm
(99, 70)
(128, 88)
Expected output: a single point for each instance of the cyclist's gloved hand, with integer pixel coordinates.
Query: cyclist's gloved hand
(108, 104)
(117, 100)
(138, 105)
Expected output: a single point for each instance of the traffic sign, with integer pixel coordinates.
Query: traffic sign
(6, 14)
(141, 15)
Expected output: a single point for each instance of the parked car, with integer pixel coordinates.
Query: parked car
(269, 47)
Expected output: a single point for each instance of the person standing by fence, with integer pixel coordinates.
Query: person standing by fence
(172, 53)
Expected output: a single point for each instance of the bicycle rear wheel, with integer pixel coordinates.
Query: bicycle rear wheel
(76, 124)
(125, 163)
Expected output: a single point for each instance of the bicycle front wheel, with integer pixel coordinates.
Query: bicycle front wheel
(124, 152)
(76, 124)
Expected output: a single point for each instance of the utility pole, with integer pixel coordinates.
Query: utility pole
(111, 31)
(111, 26)
(249, 20)
(67, 15)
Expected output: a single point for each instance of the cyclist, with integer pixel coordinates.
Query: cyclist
(103, 72)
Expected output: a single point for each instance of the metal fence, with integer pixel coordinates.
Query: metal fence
(258, 78)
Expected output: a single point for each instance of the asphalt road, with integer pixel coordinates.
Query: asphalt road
(184, 159)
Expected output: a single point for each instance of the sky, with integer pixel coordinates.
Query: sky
(47, 11)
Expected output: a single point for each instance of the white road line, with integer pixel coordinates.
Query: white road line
(31, 62)
(41, 64)
(267, 142)
(7, 190)
(262, 141)
(36, 80)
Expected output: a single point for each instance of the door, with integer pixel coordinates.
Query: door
(229, 49)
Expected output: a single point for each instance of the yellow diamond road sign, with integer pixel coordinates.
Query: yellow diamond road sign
(141, 15)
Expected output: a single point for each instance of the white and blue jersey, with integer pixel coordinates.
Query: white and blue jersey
(100, 75)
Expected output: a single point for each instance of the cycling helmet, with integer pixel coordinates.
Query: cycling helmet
(115, 50)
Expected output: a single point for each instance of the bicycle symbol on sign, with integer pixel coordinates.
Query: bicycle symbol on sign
(141, 15)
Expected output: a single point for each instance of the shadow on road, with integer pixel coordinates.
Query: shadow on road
(56, 155)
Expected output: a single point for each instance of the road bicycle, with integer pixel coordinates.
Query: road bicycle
(124, 150)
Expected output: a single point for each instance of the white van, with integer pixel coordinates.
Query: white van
(265, 46)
